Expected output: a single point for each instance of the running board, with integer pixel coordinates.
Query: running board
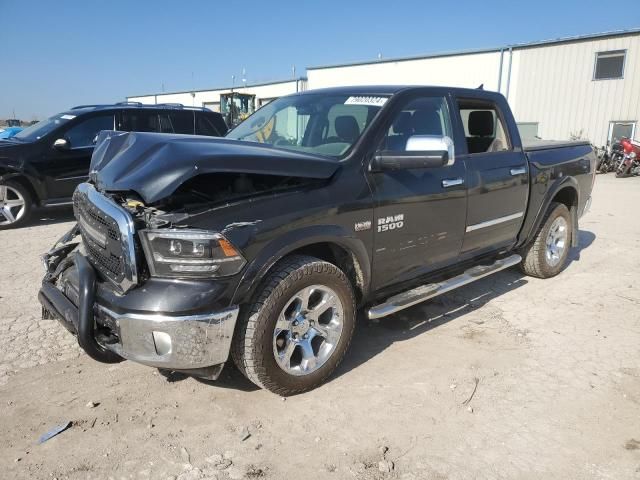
(425, 292)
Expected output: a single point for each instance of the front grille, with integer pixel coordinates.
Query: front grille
(102, 224)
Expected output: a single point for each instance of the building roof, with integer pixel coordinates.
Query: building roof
(577, 38)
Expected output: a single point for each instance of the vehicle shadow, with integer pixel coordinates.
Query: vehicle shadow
(50, 216)
(373, 337)
(230, 378)
(585, 239)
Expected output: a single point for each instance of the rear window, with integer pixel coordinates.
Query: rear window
(204, 126)
(182, 122)
(139, 121)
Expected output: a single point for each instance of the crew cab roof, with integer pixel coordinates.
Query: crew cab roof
(394, 89)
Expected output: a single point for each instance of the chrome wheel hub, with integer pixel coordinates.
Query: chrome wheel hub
(12, 205)
(308, 330)
(556, 243)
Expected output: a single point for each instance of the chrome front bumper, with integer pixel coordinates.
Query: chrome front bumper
(173, 342)
(165, 339)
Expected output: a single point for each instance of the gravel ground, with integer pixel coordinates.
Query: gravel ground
(554, 365)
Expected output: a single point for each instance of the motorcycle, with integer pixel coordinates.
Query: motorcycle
(617, 156)
(603, 159)
(630, 163)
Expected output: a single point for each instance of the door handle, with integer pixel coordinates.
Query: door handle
(452, 182)
(518, 171)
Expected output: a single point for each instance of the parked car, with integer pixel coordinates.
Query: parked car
(9, 132)
(263, 246)
(44, 163)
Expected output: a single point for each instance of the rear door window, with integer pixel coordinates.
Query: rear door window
(204, 126)
(182, 122)
(165, 123)
(484, 127)
(139, 121)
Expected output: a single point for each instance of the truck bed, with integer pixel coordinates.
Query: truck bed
(533, 145)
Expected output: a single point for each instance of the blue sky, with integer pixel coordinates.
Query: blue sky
(56, 54)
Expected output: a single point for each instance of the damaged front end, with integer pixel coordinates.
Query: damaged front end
(118, 302)
(150, 270)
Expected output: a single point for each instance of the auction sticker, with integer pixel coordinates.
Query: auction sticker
(366, 100)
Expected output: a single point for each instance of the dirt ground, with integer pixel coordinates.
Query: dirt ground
(555, 366)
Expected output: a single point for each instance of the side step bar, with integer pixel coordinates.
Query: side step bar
(425, 292)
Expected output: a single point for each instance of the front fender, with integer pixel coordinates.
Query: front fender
(294, 240)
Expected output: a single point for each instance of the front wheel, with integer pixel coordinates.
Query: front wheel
(295, 334)
(15, 205)
(623, 170)
(546, 256)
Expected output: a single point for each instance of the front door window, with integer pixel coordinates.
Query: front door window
(84, 134)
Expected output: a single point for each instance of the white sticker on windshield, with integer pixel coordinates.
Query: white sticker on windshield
(366, 100)
(67, 117)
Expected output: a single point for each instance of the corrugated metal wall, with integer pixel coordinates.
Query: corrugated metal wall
(553, 85)
(468, 71)
(550, 84)
(262, 92)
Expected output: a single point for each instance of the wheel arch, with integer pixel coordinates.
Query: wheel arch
(566, 191)
(328, 243)
(22, 179)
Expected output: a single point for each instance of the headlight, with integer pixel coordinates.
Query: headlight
(190, 253)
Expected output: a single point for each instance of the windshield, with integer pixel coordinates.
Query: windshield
(315, 123)
(40, 129)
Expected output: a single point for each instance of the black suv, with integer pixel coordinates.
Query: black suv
(43, 164)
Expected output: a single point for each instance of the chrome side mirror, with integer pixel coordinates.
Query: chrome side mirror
(432, 143)
(421, 151)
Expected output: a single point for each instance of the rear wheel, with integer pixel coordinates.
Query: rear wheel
(15, 205)
(298, 329)
(547, 255)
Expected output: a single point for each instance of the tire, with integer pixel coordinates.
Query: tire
(538, 258)
(257, 341)
(15, 205)
(623, 171)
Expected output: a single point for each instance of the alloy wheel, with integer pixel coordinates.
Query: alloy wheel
(12, 205)
(556, 242)
(308, 330)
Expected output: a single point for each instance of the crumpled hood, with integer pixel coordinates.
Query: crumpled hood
(154, 165)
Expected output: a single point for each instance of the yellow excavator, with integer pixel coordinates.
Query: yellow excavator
(235, 107)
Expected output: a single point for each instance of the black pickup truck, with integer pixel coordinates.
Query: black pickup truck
(263, 245)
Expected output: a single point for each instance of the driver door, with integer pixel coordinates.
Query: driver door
(419, 212)
(70, 166)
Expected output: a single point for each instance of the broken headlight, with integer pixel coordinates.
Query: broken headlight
(190, 253)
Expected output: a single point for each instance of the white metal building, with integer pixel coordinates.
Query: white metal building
(586, 87)
(264, 92)
(580, 87)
